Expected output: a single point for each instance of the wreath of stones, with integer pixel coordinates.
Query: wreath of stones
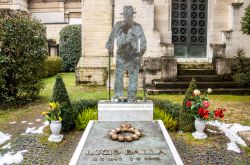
(135, 133)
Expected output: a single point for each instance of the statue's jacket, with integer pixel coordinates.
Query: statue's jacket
(131, 40)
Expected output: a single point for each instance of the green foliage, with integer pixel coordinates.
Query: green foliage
(84, 117)
(241, 68)
(68, 115)
(186, 119)
(169, 122)
(169, 107)
(52, 66)
(84, 104)
(245, 22)
(60, 95)
(70, 47)
(23, 47)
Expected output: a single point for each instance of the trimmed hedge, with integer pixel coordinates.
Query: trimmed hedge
(52, 66)
(79, 106)
(169, 107)
(23, 49)
(70, 47)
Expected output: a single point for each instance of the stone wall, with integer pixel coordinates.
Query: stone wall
(55, 15)
(236, 39)
(53, 31)
(14, 5)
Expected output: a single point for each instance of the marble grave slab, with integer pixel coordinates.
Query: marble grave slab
(155, 147)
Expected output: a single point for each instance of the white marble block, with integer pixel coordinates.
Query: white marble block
(139, 111)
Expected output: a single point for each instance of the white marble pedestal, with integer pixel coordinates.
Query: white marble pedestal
(139, 111)
(55, 139)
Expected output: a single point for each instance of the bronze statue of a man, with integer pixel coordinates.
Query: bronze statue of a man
(131, 45)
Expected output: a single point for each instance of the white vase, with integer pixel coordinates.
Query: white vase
(55, 127)
(199, 126)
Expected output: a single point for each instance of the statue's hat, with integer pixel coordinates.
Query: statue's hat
(128, 9)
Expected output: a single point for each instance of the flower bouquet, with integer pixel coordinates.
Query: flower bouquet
(198, 106)
(53, 116)
(54, 112)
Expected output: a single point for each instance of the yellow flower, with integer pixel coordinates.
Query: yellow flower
(44, 113)
(60, 119)
(53, 105)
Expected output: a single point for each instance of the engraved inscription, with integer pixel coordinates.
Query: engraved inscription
(125, 152)
(5, 1)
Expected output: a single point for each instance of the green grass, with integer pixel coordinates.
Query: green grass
(76, 92)
(237, 106)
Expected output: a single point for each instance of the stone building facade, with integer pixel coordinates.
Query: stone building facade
(55, 14)
(177, 31)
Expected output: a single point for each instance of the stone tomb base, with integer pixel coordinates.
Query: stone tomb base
(155, 147)
(138, 111)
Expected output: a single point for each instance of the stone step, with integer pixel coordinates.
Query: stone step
(195, 66)
(196, 72)
(201, 78)
(200, 85)
(233, 91)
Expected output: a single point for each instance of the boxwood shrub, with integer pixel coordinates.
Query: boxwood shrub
(23, 49)
(52, 66)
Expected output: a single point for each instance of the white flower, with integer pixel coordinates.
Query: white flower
(197, 92)
(209, 90)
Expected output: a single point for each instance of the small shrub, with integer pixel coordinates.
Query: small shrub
(70, 47)
(243, 78)
(23, 47)
(186, 119)
(52, 66)
(169, 122)
(245, 23)
(60, 95)
(241, 68)
(84, 117)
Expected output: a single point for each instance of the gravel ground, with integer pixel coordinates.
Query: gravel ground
(210, 151)
(41, 152)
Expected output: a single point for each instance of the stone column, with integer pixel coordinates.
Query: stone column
(96, 27)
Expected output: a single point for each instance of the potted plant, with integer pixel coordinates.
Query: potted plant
(53, 116)
(198, 106)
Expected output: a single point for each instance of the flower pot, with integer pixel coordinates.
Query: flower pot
(199, 126)
(55, 127)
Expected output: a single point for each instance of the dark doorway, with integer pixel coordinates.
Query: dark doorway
(189, 28)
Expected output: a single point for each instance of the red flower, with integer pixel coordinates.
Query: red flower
(219, 113)
(206, 114)
(203, 113)
(206, 104)
(188, 103)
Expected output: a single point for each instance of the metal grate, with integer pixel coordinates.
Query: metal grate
(189, 27)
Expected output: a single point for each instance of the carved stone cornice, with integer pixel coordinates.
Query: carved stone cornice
(237, 5)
